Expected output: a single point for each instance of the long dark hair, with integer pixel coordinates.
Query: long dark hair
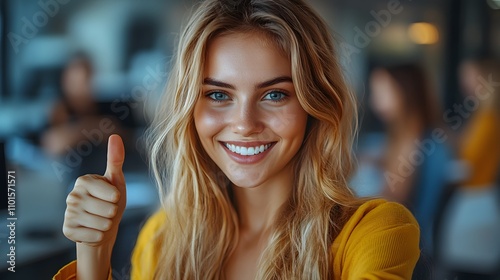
(417, 95)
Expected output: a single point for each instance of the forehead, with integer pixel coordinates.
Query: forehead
(250, 55)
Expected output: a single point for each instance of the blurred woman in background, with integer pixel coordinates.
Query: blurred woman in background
(416, 156)
(79, 112)
(479, 147)
(75, 111)
(469, 247)
(80, 121)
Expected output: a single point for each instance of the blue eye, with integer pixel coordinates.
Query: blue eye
(275, 96)
(218, 96)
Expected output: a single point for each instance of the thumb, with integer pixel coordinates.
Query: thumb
(116, 156)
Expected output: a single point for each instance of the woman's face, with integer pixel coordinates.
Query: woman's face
(76, 84)
(469, 74)
(385, 100)
(248, 117)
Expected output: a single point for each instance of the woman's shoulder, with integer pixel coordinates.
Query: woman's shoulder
(151, 229)
(380, 238)
(145, 255)
(155, 221)
(377, 213)
(378, 216)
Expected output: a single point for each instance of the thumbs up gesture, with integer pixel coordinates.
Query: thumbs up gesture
(95, 205)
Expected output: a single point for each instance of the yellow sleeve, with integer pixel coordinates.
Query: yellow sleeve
(145, 254)
(68, 272)
(380, 241)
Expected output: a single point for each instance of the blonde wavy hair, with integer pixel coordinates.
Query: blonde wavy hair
(201, 228)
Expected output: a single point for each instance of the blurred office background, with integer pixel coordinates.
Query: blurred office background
(426, 74)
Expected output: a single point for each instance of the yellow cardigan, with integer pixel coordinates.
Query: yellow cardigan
(480, 149)
(379, 241)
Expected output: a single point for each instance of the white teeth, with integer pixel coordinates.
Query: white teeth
(247, 151)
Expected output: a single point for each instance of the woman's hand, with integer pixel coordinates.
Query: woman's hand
(94, 209)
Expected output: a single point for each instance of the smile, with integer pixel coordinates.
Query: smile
(247, 151)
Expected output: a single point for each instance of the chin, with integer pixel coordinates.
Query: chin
(245, 182)
(245, 185)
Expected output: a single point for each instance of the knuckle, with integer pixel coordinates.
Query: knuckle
(73, 199)
(69, 216)
(68, 232)
(81, 181)
(69, 222)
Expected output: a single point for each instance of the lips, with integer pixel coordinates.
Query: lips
(247, 152)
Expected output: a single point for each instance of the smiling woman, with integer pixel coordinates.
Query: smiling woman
(251, 150)
(248, 119)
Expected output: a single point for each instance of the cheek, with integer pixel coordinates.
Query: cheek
(207, 122)
(290, 123)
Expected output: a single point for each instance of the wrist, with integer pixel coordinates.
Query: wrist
(93, 262)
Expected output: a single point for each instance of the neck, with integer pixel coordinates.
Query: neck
(259, 206)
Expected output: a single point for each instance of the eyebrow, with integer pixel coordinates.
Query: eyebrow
(277, 80)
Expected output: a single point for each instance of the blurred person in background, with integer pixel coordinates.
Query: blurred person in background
(479, 147)
(469, 247)
(76, 111)
(79, 123)
(415, 158)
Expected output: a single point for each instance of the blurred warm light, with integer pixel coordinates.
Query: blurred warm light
(423, 33)
(494, 4)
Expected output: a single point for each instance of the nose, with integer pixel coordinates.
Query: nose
(246, 120)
